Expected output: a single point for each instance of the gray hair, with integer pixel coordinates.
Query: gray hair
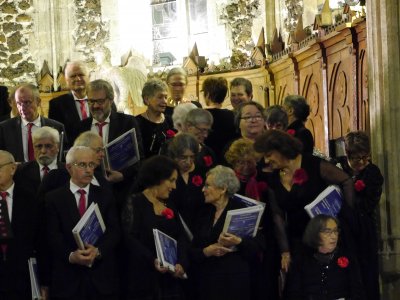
(71, 155)
(182, 142)
(86, 138)
(7, 155)
(301, 109)
(80, 64)
(199, 116)
(27, 86)
(225, 177)
(180, 112)
(46, 132)
(102, 85)
(153, 86)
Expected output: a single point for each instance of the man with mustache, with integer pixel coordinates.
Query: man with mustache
(89, 273)
(46, 145)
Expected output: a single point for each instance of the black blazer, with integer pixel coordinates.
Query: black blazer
(63, 110)
(61, 216)
(29, 174)
(14, 272)
(119, 124)
(11, 135)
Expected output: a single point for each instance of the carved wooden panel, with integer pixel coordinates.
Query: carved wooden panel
(363, 100)
(312, 91)
(284, 79)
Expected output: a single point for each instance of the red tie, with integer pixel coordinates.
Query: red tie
(82, 202)
(82, 103)
(100, 125)
(4, 220)
(45, 170)
(31, 155)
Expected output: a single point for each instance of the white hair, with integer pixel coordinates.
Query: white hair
(46, 132)
(179, 114)
(71, 155)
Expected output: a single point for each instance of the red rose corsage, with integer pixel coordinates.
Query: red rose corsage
(208, 161)
(343, 262)
(170, 133)
(168, 213)
(300, 176)
(197, 180)
(291, 132)
(359, 185)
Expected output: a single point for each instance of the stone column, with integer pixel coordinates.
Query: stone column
(383, 26)
(270, 22)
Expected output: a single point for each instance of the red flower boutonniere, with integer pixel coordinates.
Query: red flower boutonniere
(343, 262)
(359, 185)
(291, 132)
(170, 133)
(300, 176)
(197, 180)
(208, 161)
(168, 213)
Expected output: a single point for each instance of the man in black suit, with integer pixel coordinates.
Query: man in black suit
(109, 125)
(89, 273)
(15, 132)
(20, 208)
(46, 141)
(71, 108)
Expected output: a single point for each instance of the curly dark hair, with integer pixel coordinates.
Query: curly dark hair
(280, 141)
(154, 170)
(215, 88)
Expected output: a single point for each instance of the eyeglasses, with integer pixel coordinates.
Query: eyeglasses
(186, 158)
(92, 102)
(177, 84)
(46, 146)
(328, 231)
(26, 103)
(359, 158)
(203, 130)
(84, 165)
(252, 119)
(5, 164)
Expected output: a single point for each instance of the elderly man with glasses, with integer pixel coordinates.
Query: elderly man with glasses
(16, 133)
(89, 273)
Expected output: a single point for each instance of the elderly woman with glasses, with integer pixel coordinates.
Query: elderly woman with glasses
(368, 183)
(323, 269)
(219, 271)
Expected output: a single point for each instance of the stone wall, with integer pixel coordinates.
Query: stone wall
(16, 62)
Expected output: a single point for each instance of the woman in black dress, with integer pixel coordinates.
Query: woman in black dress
(188, 196)
(219, 271)
(297, 180)
(145, 211)
(154, 125)
(223, 128)
(298, 110)
(368, 183)
(323, 270)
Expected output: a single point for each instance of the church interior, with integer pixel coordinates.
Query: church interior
(341, 55)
